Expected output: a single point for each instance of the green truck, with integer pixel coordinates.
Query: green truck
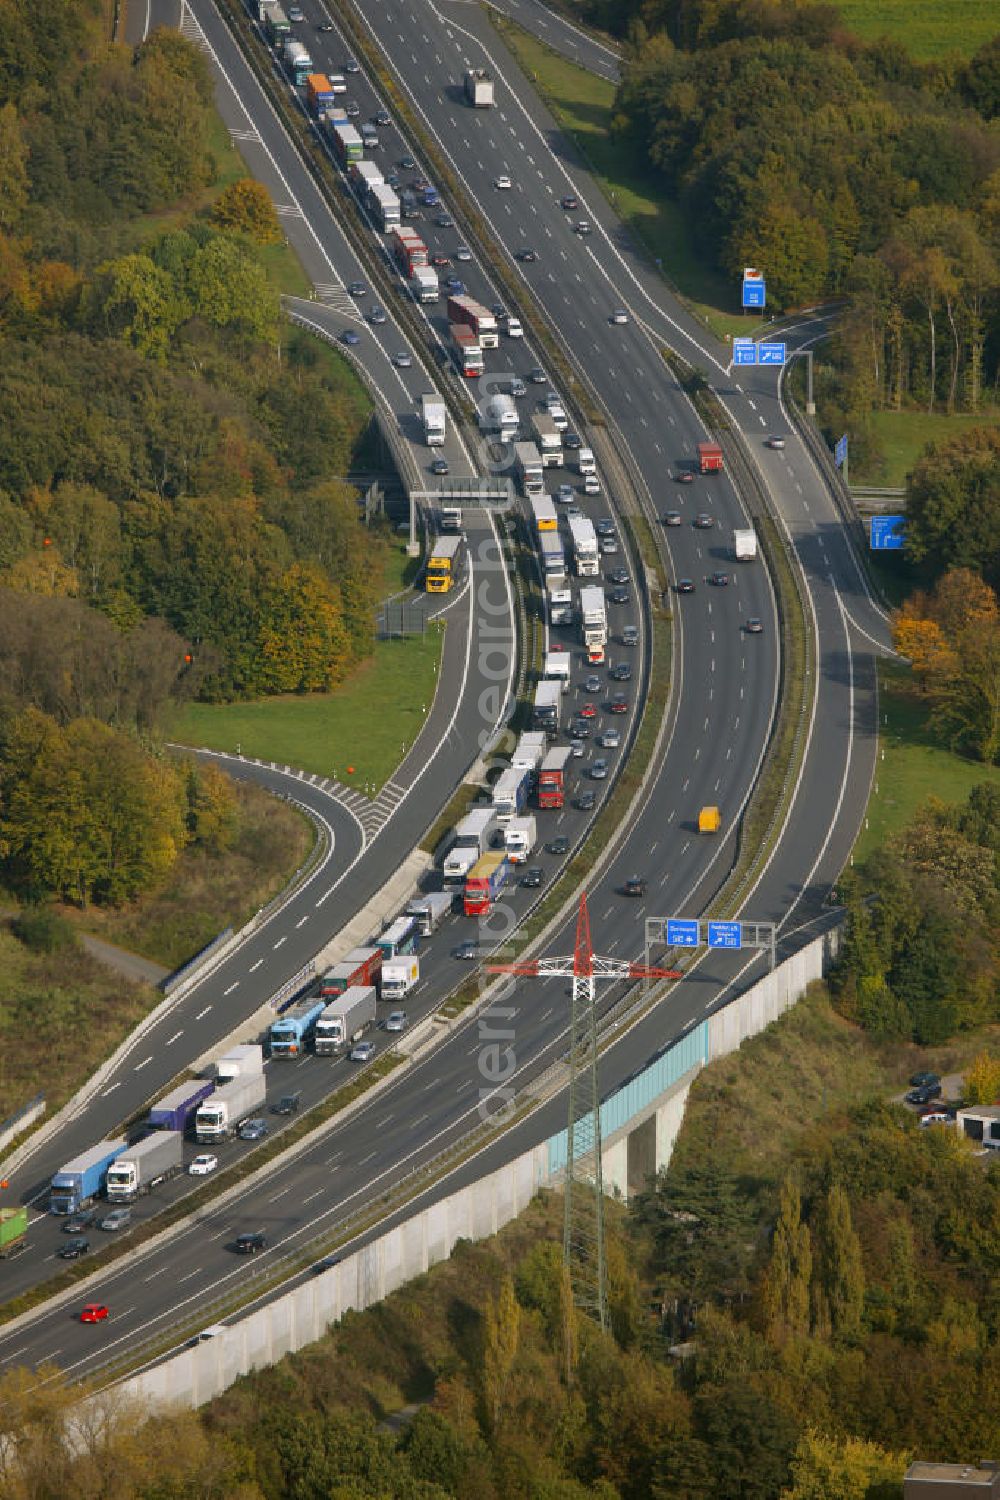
(13, 1231)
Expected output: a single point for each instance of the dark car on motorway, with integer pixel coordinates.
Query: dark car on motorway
(73, 1249)
(618, 575)
(532, 878)
(618, 704)
(528, 256)
(569, 203)
(684, 586)
(252, 1130)
(77, 1223)
(619, 596)
(634, 886)
(604, 526)
(455, 284)
(250, 1244)
(376, 315)
(444, 221)
(579, 729)
(924, 1094)
(592, 684)
(288, 1104)
(382, 117)
(440, 259)
(703, 521)
(467, 952)
(621, 672)
(557, 846)
(599, 770)
(719, 580)
(439, 466)
(357, 289)
(538, 377)
(586, 802)
(684, 477)
(407, 163)
(571, 440)
(350, 338)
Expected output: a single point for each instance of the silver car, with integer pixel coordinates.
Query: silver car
(599, 770)
(397, 1021)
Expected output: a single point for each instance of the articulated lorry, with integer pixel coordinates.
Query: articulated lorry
(468, 349)
(432, 411)
(528, 463)
(399, 975)
(548, 439)
(484, 883)
(360, 967)
(345, 1020)
(545, 711)
(144, 1165)
(498, 414)
(430, 911)
(552, 777)
(466, 310)
(510, 794)
(13, 1231)
(240, 1089)
(445, 565)
(529, 752)
(593, 623)
(291, 1032)
(584, 538)
(82, 1179)
(176, 1110)
(424, 284)
(472, 839)
(384, 204)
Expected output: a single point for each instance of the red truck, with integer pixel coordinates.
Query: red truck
(474, 315)
(408, 249)
(552, 777)
(484, 883)
(709, 458)
(468, 348)
(361, 967)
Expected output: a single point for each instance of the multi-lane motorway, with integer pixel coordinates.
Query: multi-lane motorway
(725, 682)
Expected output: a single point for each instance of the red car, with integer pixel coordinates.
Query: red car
(94, 1312)
(587, 711)
(440, 260)
(684, 477)
(619, 705)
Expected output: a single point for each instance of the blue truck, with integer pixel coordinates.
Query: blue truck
(81, 1179)
(291, 1032)
(176, 1110)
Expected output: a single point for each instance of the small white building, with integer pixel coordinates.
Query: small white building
(981, 1123)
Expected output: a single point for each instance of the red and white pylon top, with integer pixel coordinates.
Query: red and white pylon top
(583, 963)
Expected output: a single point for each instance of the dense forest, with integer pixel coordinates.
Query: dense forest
(795, 1312)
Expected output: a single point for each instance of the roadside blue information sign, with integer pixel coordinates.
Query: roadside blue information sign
(887, 533)
(744, 352)
(840, 452)
(772, 354)
(681, 933)
(725, 934)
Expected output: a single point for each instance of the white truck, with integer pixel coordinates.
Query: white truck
(431, 910)
(528, 462)
(345, 1019)
(479, 88)
(450, 519)
(432, 412)
(585, 461)
(498, 414)
(139, 1168)
(240, 1089)
(529, 752)
(545, 710)
(593, 623)
(385, 205)
(745, 544)
(510, 794)
(547, 439)
(556, 669)
(472, 839)
(424, 284)
(584, 538)
(520, 836)
(399, 975)
(560, 597)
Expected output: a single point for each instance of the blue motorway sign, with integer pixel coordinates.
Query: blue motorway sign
(681, 933)
(753, 294)
(772, 354)
(744, 352)
(840, 452)
(887, 533)
(725, 934)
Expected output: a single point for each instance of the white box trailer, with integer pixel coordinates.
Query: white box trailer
(745, 544)
(520, 836)
(479, 88)
(433, 415)
(556, 669)
(345, 1019)
(424, 284)
(431, 910)
(399, 975)
(529, 752)
(584, 539)
(384, 204)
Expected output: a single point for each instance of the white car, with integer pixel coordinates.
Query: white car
(503, 184)
(619, 315)
(514, 329)
(559, 419)
(775, 441)
(202, 1165)
(591, 484)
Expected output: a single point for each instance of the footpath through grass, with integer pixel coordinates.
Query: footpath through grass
(370, 723)
(583, 104)
(913, 764)
(927, 28)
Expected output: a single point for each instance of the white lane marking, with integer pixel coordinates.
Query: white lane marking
(254, 967)
(234, 986)
(203, 1012)
(174, 1037)
(140, 1066)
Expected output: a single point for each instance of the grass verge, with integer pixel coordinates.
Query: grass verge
(902, 437)
(206, 893)
(583, 105)
(913, 764)
(368, 724)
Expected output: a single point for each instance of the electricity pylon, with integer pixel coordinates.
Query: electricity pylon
(583, 1217)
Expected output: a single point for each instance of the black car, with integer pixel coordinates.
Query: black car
(586, 802)
(528, 257)
(684, 586)
(77, 1223)
(358, 289)
(250, 1244)
(538, 377)
(634, 886)
(467, 952)
(532, 879)
(288, 1104)
(924, 1094)
(621, 673)
(383, 117)
(618, 575)
(703, 521)
(557, 846)
(580, 729)
(719, 580)
(923, 1080)
(73, 1249)
(571, 440)
(499, 311)
(376, 315)
(619, 596)
(439, 466)
(445, 221)
(407, 163)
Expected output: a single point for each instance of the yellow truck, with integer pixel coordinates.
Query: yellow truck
(444, 566)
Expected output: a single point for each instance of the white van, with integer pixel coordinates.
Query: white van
(585, 461)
